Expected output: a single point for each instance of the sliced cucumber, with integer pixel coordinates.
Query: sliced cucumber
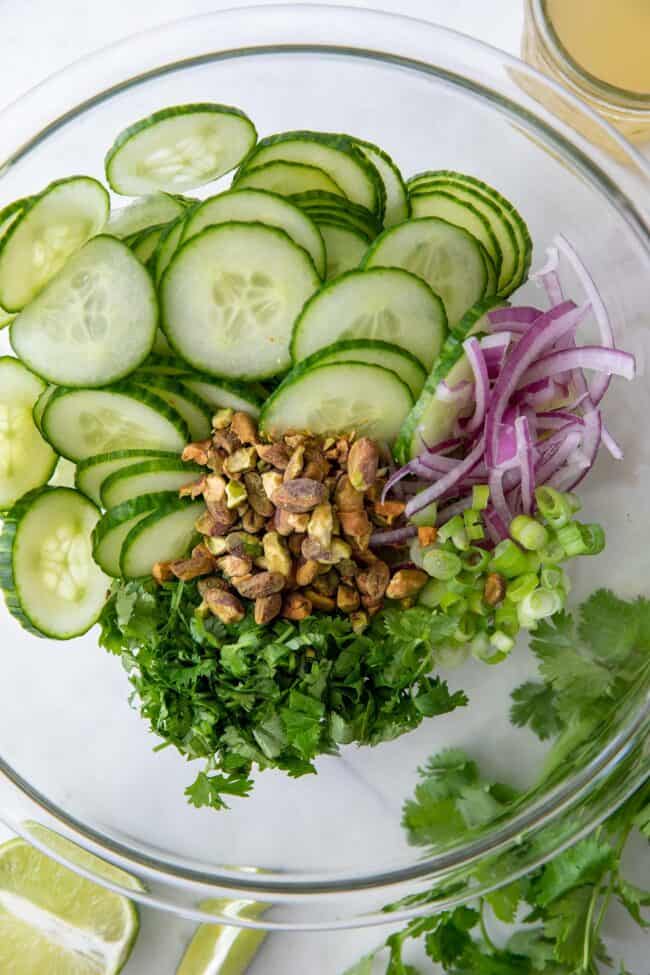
(51, 584)
(448, 258)
(162, 365)
(438, 203)
(92, 472)
(432, 419)
(163, 535)
(145, 243)
(94, 323)
(260, 206)
(161, 346)
(148, 211)
(179, 148)
(147, 477)
(336, 155)
(230, 297)
(10, 213)
(385, 303)
(82, 422)
(286, 179)
(188, 404)
(26, 460)
(223, 393)
(113, 527)
(6, 318)
(168, 243)
(40, 404)
(344, 246)
(492, 281)
(484, 195)
(50, 228)
(329, 206)
(397, 202)
(377, 353)
(343, 396)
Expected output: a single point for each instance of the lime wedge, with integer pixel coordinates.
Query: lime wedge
(218, 949)
(53, 922)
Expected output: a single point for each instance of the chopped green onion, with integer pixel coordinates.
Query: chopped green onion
(447, 531)
(551, 553)
(593, 537)
(555, 507)
(480, 497)
(475, 533)
(507, 619)
(476, 560)
(432, 593)
(427, 516)
(554, 577)
(453, 604)
(570, 538)
(573, 501)
(465, 630)
(509, 560)
(502, 641)
(441, 564)
(477, 604)
(522, 586)
(471, 517)
(483, 649)
(528, 532)
(533, 562)
(538, 605)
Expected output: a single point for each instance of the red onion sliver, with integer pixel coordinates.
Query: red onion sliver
(519, 315)
(582, 463)
(496, 527)
(545, 468)
(548, 277)
(526, 463)
(497, 495)
(446, 482)
(610, 444)
(461, 393)
(481, 383)
(557, 419)
(612, 361)
(394, 537)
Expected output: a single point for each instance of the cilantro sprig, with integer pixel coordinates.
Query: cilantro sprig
(246, 696)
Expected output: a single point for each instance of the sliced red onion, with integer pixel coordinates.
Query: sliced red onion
(599, 384)
(610, 444)
(496, 340)
(580, 463)
(542, 334)
(612, 361)
(462, 393)
(548, 277)
(497, 495)
(446, 482)
(525, 458)
(496, 528)
(557, 420)
(517, 319)
(395, 537)
(445, 446)
(455, 508)
(481, 383)
(548, 465)
(438, 463)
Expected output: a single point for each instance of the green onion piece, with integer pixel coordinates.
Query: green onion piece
(483, 649)
(554, 577)
(533, 562)
(480, 497)
(502, 641)
(477, 604)
(460, 539)
(593, 537)
(507, 619)
(528, 532)
(453, 604)
(573, 501)
(471, 517)
(475, 533)
(554, 506)
(475, 560)
(441, 564)
(538, 605)
(551, 553)
(447, 531)
(432, 593)
(522, 586)
(570, 538)
(509, 560)
(426, 518)
(465, 630)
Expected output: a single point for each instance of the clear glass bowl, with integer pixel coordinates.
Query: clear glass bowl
(328, 851)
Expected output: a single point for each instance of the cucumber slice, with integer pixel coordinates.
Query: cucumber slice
(161, 365)
(93, 471)
(51, 584)
(492, 278)
(26, 460)
(82, 422)
(286, 179)
(448, 258)
(385, 303)
(344, 246)
(230, 297)
(168, 243)
(483, 195)
(179, 148)
(50, 228)
(10, 213)
(145, 243)
(432, 419)
(397, 202)
(378, 353)
(6, 318)
(162, 536)
(147, 477)
(40, 404)
(341, 397)
(438, 203)
(148, 211)
(260, 206)
(220, 393)
(113, 527)
(161, 346)
(329, 206)
(336, 155)
(188, 404)
(94, 323)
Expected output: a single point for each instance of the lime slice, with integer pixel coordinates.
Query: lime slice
(218, 949)
(53, 922)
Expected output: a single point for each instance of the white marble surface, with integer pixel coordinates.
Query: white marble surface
(41, 36)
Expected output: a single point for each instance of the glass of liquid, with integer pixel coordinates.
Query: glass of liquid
(600, 51)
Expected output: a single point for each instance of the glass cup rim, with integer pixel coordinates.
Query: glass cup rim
(549, 806)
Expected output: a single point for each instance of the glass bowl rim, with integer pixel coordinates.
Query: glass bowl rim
(565, 795)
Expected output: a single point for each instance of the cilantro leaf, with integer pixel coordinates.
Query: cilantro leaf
(584, 863)
(208, 790)
(534, 704)
(451, 938)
